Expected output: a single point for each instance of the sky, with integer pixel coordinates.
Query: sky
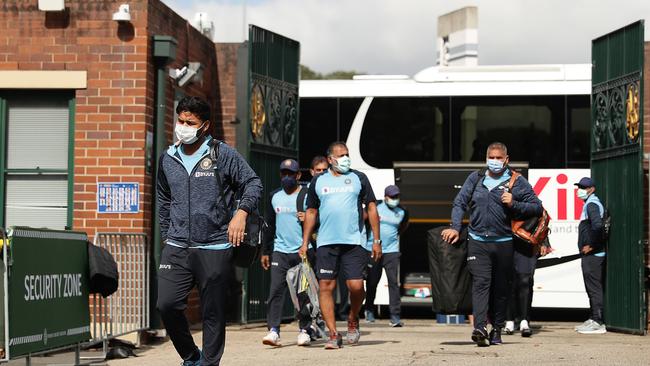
(399, 36)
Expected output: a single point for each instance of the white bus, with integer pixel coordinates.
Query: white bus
(433, 129)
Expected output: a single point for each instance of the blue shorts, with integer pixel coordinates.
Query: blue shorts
(350, 260)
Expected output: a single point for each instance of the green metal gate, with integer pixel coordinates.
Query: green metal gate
(617, 167)
(269, 133)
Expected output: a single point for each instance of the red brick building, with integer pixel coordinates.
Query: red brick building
(78, 106)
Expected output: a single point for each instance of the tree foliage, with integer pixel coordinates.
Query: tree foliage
(308, 74)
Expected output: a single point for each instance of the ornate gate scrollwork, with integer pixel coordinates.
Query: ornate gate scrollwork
(291, 120)
(274, 112)
(616, 113)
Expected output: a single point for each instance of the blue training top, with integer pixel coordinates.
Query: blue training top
(390, 220)
(288, 229)
(339, 201)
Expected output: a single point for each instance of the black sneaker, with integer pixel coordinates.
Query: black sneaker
(495, 336)
(480, 337)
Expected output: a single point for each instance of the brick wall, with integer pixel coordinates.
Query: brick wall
(227, 81)
(111, 116)
(115, 112)
(117, 109)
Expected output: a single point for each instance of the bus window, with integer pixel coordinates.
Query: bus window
(323, 121)
(348, 108)
(532, 127)
(317, 127)
(405, 129)
(578, 127)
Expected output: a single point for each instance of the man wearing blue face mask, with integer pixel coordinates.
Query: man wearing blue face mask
(591, 244)
(281, 251)
(492, 206)
(393, 220)
(337, 198)
(196, 196)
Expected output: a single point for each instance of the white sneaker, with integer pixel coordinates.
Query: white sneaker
(583, 325)
(509, 328)
(525, 329)
(593, 328)
(303, 338)
(272, 338)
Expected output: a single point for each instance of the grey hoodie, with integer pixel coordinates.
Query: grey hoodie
(194, 209)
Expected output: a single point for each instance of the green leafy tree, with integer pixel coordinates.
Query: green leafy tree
(308, 74)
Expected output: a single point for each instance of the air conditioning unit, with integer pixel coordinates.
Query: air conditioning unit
(51, 5)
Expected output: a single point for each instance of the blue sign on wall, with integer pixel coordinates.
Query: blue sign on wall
(118, 197)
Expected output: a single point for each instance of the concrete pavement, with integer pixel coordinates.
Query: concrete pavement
(419, 343)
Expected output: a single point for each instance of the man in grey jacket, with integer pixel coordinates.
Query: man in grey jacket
(492, 206)
(197, 198)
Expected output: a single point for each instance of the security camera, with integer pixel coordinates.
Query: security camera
(123, 14)
(191, 72)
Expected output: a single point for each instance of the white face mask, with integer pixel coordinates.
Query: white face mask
(582, 194)
(342, 164)
(392, 203)
(186, 134)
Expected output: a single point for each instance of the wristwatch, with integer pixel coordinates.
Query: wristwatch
(377, 241)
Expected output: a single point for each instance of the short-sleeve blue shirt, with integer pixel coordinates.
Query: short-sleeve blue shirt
(390, 220)
(288, 229)
(339, 201)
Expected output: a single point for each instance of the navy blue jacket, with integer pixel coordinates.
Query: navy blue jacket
(488, 215)
(194, 209)
(590, 229)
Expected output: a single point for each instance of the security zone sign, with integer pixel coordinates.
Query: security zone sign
(48, 290)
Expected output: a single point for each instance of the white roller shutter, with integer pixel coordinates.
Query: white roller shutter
(37, 201)
(37, 133)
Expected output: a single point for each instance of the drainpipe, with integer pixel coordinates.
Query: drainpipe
(164, 52)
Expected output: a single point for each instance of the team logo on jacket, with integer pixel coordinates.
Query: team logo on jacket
(206, 163)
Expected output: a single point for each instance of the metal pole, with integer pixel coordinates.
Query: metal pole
(161, 82)
(5, 278)
(77, 360)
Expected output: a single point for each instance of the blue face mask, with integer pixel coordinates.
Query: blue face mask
(495, 165)
(288, 182)
(582, 194)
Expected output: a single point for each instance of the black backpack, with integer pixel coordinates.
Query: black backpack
(607, 225)
(300, 207)
(248, 251)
